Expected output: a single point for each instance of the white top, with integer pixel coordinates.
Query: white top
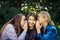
(9, 34)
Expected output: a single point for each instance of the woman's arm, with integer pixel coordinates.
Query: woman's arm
(9, 33)
(22, 36)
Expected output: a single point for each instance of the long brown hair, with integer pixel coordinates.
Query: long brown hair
(32, 14)
(15, 21)
(32, 34)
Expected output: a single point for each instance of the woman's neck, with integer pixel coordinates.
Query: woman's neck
(31, 28)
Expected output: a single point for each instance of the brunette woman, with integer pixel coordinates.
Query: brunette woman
(31, 19)
(15, 29)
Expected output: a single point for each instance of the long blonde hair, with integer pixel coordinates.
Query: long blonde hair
(47, 15)
(16, 20)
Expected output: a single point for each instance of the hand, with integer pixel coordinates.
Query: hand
(38, 26)
(25, 27)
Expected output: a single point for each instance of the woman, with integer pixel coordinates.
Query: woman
(45, 24)
(15, 29)
(31, 19)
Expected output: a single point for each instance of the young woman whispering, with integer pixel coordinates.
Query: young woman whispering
(15, 29)
(45, 27)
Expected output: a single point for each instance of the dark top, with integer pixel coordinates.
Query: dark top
(31, 34)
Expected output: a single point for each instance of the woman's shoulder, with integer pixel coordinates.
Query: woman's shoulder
(50, 27)
(9, 27)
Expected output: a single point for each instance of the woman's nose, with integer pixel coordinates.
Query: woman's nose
(31, 21)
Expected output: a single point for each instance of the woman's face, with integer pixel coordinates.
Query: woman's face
(23, 20)
(41, 19)
(31, 21)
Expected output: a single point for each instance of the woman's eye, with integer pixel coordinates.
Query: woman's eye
(33, 20)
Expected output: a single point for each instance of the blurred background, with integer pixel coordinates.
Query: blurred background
(9, 8)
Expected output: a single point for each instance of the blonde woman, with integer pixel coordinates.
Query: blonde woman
(15, 29)
(45, 27)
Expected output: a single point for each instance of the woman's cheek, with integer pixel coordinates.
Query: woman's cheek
(28, 21)
(34, 22)
(22, 23)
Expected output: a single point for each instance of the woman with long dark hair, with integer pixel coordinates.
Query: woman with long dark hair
(31, 19)
(15, 29)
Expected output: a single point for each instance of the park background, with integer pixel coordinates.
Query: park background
(9, 8)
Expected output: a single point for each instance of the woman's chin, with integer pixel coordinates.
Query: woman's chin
(30, 25)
